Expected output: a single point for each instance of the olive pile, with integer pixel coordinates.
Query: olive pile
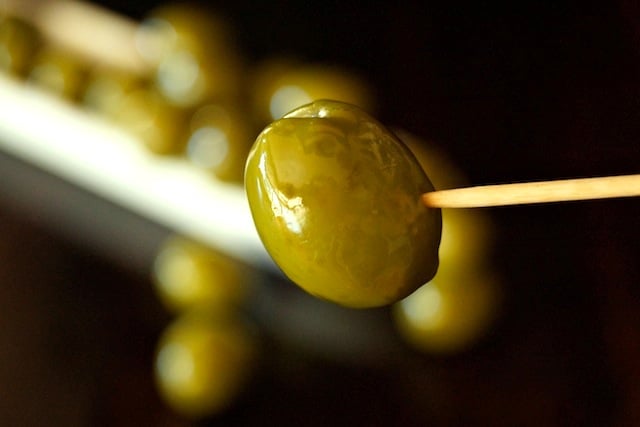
(334, 194)
(197, 98)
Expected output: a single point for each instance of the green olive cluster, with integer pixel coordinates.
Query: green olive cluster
(196, 97)
(334, 194)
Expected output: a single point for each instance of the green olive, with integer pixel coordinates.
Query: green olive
(204, 362)
(219, 139)
(158, 124)
(107, 89)
(19, 42)
(335, 197)
(195, 55)
(449, 314)
(280, 85)
(187, 274)
(59, 73)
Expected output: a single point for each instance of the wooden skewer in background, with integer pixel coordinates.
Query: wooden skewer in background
(535, 192)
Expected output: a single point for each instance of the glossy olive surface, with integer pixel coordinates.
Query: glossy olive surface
(335, 198)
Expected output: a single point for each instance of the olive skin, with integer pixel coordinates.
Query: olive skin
(335, 198)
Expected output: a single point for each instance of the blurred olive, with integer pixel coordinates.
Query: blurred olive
(194, 53)
(263, 81)
(219, 140)
(19, 42)
(279, 86)
(159, 125)
(106, 90)
(450, 313)
(59, 72)
(187, 274)
(204, 362)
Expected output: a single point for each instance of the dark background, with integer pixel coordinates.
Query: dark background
(513, 92)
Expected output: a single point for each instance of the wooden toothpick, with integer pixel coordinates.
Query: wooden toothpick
(535, 192)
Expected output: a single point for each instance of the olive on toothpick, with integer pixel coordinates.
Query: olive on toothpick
(335, 197)
(348, 214)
